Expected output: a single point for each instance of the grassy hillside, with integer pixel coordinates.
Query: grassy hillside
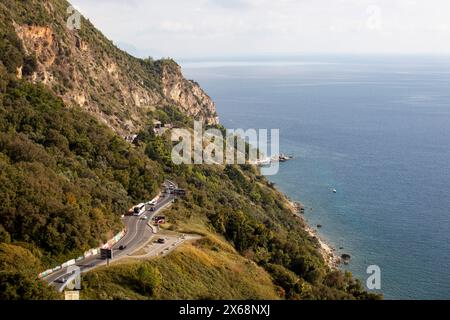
(196, 271)
(18, 269)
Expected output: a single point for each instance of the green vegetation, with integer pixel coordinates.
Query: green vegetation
(65, 180)
(191, 272)
(18, 272)
(242, 206)
(239, 204)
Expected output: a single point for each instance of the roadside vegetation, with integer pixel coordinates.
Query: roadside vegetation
(194, 271)
(239, 213)
(65, 179)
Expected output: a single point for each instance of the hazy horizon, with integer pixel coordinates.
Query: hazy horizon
(214, 28)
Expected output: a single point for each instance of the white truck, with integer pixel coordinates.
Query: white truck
(139, 209)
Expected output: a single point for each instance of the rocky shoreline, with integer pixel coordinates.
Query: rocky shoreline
(326, 250)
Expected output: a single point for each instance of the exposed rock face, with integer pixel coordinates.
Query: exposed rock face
(86, 69)
(188, 95)
(40, 42)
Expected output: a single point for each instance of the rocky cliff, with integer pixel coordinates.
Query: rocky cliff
(86, 69)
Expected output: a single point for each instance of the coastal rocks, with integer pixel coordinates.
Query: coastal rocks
(281, 158)
(345, 258)
(298, 207)
(328, 253)
(284, 158)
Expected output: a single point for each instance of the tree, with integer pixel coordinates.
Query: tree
(4, 235)
(148, 279)
(17, 286)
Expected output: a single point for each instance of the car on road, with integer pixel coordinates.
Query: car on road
(144, 218)
(122, 247)
(61, 280)
(161, 240)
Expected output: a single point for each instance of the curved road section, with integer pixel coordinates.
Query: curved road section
(138, 233)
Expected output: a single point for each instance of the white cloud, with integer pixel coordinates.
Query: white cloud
(183, 28)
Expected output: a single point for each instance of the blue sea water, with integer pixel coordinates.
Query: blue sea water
(375, 128)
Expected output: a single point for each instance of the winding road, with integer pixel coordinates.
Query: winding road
(138, 233)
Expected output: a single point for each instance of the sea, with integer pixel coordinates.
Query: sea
(376, 129)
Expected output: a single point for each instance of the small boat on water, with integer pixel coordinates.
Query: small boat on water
(283, 158)
(334, 190)
(262, 162)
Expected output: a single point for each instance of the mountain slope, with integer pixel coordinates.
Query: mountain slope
(195, 271)
(65, 179)
(86, 69)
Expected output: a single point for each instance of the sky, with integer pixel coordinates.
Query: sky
(186, 29)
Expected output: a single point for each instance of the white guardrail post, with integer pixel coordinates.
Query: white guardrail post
(89, 253)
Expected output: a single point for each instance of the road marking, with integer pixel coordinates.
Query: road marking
(97, 262)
